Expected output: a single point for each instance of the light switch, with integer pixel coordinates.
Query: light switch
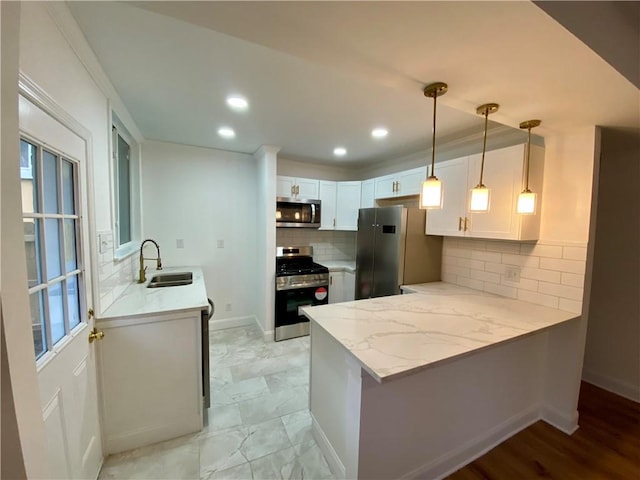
(220, 243)
(180, 243)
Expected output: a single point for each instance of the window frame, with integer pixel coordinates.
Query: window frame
(122, 251)
(51, 349)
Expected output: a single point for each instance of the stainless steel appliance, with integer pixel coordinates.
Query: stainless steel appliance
(294, 212)
(206, 381)
(299, 282)
(393, 250)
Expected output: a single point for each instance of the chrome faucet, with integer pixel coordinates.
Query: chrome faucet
(142, 277)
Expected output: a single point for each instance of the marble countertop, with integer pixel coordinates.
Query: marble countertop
(139, 300)
(402, 334)
(337, 265)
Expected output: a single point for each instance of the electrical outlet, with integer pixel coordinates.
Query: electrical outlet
(220, 243)
(512, 274)
(227, 307)
(180, 243)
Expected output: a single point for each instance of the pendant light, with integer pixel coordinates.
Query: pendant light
(480, 194)
(527, 199)
(431, 191)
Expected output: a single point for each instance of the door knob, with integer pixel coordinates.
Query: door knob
(95, 335)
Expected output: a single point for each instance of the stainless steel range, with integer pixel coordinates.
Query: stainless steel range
(300, 282)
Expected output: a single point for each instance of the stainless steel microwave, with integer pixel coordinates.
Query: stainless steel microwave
(294, 212)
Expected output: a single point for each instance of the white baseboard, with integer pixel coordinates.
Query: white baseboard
(336, 466)
(457, 458)
(563, 422)
(232, 322)
(614, 385)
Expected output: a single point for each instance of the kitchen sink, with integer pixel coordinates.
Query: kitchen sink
(171, 279)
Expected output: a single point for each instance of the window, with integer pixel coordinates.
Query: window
(51, 235)
(126, 200)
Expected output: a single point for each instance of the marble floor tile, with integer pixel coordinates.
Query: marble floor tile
(222, 417)
(239, 391)
(265, 438)
(281, 465)
(298, 427)
(222, 451)
(312, 461)
(219, 377)
(269, 365)
(287, 379)
(171, 460)
(239, 472)
(273, 405)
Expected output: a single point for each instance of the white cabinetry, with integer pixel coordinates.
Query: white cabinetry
(400, 184)
(150, 376)
(349, 286)
(503, 175)
(294, 187)
(327, 198)
(340, 204)
(347, 205)
(367, 195)
(336, 287)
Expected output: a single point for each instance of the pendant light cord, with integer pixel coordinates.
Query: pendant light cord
(526, 163)
(433, 141)
(484, 145)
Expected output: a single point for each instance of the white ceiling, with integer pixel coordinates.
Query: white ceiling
(322, 74)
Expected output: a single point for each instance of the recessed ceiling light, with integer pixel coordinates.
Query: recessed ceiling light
(226, 132)
(237, 102)
(339, 151)
(379, 132)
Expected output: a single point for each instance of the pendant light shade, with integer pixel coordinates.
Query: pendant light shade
(527, 199)
(480, 194)
(431, 191)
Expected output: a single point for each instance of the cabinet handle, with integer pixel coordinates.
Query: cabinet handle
(297, 189)
(330, 280)
(398, 187)
(466, 222)
(459, 224)
(293, 190)
(334, 222)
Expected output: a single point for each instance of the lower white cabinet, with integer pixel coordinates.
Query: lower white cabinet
(342, 286)
(503, 175)
(150, 377)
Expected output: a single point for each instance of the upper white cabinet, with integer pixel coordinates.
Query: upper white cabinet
(327, 198)
(347, 205)
(400, 184)
(340, 204)
(367, 194)
(294, 187)
(503, 175)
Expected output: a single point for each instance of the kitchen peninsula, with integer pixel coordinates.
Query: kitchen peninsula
(418, 385)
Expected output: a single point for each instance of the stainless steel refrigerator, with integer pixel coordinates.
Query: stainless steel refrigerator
(393, 250)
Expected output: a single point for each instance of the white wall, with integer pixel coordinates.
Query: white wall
(204, 197)
(612, 355)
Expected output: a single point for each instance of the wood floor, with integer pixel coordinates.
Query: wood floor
(606, 446)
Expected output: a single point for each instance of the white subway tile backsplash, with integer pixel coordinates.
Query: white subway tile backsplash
(538, 298)
(494, 267)
(538, 274)
(570, 305)
(503, 290)
(574, 253)
(524, 283)
(459, 271)
(448, 260)
(551, 251)
(564, 291)
(572, 279)
(458, 252)
(450, 278)
(474, 264)
(485, 276)
(470, 283)
(520, 260)
(503, 247)
(561, 265)
(486, 256)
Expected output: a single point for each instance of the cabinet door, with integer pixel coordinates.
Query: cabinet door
(367, 194)
(502, 174)
(307, 188)
(449, 220)
(349, 286)
(328, 205)
(336, 287)
(384, 186)
(348, 204)
(284, 186)
(410, 181)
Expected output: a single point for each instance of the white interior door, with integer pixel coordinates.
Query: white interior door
(54, 196)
